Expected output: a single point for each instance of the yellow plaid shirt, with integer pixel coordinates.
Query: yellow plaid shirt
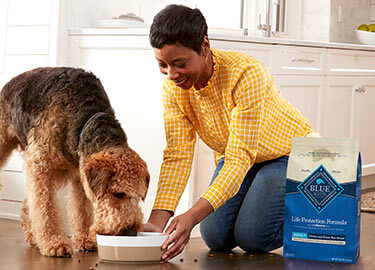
(240, 114)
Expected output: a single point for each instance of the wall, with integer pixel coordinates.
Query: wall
(372, 11)
(311, 27)
(346, 16)
(218, 13)
(337, 19)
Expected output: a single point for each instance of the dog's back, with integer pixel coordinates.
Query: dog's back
(68, 95)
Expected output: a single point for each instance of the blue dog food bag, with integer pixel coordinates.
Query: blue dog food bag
(323, 199)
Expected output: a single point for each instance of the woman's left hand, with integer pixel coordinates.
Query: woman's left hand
(181, 226)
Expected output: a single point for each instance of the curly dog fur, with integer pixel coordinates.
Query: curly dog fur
(63, 121)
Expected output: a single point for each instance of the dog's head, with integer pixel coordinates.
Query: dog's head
(116, 180)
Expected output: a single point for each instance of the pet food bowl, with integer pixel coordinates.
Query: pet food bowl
(144, 247)
(365, 37)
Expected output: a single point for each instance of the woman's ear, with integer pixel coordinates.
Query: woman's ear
(205, 46)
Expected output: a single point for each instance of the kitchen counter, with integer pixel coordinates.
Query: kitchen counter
(219, 35)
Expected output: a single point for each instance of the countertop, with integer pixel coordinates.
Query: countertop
(217, 35)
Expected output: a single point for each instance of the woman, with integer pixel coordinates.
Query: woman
(229, 99)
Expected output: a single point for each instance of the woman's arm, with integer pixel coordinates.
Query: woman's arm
(157, 220)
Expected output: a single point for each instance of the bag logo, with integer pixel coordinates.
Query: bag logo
(320, 188)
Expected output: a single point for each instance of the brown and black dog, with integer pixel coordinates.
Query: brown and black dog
(62, 119)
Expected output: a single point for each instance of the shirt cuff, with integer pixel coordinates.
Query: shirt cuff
(215, 196)
(166, 202)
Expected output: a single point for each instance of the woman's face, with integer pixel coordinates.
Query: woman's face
(184, 66)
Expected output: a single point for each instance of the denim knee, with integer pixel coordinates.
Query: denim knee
(214, 237)
(256, 241)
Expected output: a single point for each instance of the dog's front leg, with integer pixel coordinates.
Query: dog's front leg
(46, 223)
(81, 218)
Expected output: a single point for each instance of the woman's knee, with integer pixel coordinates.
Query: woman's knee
(257, 240)
(215, 237)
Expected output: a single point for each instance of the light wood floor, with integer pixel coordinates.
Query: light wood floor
(15, 254)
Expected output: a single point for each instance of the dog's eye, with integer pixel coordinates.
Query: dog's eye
(119, 195)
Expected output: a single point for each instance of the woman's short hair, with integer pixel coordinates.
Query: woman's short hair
(178, 24)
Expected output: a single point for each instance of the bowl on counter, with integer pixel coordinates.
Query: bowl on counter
(365, 37)
(144, 247)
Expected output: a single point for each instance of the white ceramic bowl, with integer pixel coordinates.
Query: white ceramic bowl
(365, 37)
(146, 246)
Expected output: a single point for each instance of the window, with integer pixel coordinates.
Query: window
(284, 17)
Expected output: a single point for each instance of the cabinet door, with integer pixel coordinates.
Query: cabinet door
(364, 121)
(304, 93)
(349, 111)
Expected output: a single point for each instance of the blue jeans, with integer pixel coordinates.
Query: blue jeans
(254, 218)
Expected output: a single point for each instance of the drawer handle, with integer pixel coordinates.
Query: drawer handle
(360, 89)
(302, 60)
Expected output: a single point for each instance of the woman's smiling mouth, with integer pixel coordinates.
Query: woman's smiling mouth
(180, 82)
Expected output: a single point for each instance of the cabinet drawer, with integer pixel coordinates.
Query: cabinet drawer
(298, 60)
(345, 62)
(261, 52)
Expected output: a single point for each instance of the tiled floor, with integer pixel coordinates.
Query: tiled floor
(15, 254)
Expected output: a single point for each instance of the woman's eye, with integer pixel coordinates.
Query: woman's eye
(181, 65)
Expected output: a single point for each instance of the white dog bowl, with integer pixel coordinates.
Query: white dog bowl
(365, 37)
(146, 246)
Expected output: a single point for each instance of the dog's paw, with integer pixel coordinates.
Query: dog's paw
(29, 238)
(57, 249)
(83, 243)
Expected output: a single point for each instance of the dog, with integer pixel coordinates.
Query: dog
(62, 120)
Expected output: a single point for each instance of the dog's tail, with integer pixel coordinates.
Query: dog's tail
(8, 141)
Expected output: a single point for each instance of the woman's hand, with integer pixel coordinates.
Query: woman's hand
(149, 227)
(157, 221)
(181, 227)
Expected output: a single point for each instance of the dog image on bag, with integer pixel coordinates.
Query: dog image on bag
(62, 120)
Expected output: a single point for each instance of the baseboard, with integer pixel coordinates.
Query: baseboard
(10, 209)
(368, 182)
(10, 216)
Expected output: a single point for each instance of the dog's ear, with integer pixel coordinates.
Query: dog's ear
(143, 188)
(137, 166)
(98, 177)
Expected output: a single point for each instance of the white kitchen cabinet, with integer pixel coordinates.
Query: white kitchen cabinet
(29, 38)
(350, 63)
(348, 108)
(261, 52)
(304, 93)
(322, 84)
(349, 111)
(299, 75)
(295, 60)
(319, 81)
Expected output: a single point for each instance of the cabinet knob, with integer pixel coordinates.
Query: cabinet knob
(308, 60)
(360, 89)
